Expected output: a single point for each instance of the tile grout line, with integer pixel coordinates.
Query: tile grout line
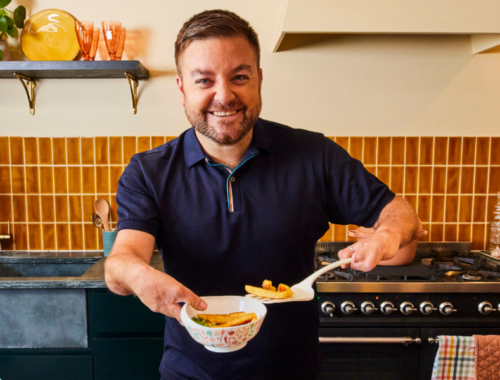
(118, 165)
(490, 153)
(109, 179)
(432, 186)
(26, 194)
(390, 161)
(12, 196)
(40, 189)
(460, 184)
(81, 189)
(347, 227)
(95, 183)
(54, 193)
(418, 171)
(446, 185)
(67, 193)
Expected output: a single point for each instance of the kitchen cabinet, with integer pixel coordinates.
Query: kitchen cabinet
(359, 361)
(127, 358)
(126, 338)
(30, 367)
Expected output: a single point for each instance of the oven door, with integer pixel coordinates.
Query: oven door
(369, 353)
(428, 350)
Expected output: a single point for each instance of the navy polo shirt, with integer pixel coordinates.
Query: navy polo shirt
(220, 229)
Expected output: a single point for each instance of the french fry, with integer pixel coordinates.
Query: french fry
(268, 293)
(239, 321)
(221, 318)
(268, 285)
(285, 288)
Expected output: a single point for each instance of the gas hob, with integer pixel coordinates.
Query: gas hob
(445, 279)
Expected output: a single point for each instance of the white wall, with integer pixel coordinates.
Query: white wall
(357, 85)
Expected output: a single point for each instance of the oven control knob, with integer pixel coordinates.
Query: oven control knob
(446, 308)
(368, 307)
(486, 308)
(427, 307)
(328, 308)
(407, 308)
(348, 307)
(387, 307)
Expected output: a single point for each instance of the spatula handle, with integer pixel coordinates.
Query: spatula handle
(310, 280)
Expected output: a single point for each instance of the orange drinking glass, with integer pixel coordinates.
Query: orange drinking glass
(111, 31)
(95, 42)
(84, 32)
(121, 44)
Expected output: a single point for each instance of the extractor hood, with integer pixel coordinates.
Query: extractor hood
(478, 18)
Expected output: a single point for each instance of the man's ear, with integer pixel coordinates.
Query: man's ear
(260, 79)
(181, 89)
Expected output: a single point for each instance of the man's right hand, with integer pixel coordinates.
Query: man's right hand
(162, 294)
(127, 271)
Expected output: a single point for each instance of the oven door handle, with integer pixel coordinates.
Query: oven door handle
(397, 340)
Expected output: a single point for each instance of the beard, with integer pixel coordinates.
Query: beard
(227, 132)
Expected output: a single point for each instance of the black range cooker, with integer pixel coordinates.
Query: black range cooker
(383, 324)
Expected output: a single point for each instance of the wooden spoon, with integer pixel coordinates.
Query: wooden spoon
(102, 210)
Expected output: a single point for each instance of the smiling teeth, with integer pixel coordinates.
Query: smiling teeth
(224, 113)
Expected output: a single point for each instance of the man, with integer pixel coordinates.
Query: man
(236, 200)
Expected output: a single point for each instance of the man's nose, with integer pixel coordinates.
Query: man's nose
(223, 93)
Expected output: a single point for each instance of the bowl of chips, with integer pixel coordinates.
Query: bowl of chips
(228, 323)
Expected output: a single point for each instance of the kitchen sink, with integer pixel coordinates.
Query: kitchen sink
(44, 268)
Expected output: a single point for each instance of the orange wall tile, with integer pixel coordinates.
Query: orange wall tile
(48, 186)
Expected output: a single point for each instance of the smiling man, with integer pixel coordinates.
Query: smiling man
(235, 200)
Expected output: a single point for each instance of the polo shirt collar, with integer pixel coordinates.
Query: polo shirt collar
(193, 152)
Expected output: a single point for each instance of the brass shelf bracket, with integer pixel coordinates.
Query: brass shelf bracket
(134, 83)
(29, 86)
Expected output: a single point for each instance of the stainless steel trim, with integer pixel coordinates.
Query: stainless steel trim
(397, 340)
(408, 287)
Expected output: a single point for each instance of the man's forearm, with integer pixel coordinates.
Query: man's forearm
(398, 218)
(122, 271)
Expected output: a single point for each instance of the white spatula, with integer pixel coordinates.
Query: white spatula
(302, 291)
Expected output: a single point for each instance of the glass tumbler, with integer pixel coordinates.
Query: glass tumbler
(111, 31)
(95, 43)
(121, 44)
(84, 33)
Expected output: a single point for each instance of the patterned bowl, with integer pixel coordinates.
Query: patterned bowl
(224, 339)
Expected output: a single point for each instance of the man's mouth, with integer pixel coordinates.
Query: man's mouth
(224, 114)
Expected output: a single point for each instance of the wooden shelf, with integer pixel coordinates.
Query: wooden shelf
(29, 71)
(73, 69)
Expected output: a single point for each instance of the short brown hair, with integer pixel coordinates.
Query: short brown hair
(215, 23)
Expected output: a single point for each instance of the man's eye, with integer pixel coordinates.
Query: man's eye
(202, 81)
(240, 78)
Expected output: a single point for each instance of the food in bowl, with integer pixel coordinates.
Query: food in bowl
(269, 291)
(224, 320)
(224, 339)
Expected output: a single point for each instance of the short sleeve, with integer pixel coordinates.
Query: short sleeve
(354, 195)
(137, 208)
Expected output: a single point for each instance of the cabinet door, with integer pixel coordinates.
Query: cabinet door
(127, 359)
(111, 313)
(45, 367)
(360, 361)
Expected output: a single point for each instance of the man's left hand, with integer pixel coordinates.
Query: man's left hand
(371, 249)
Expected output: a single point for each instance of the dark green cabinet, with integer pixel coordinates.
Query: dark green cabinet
(127, 359)
(126, 337)
(110, 313)
(24, 367)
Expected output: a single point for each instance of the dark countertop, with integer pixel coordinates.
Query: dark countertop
(92, 278)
